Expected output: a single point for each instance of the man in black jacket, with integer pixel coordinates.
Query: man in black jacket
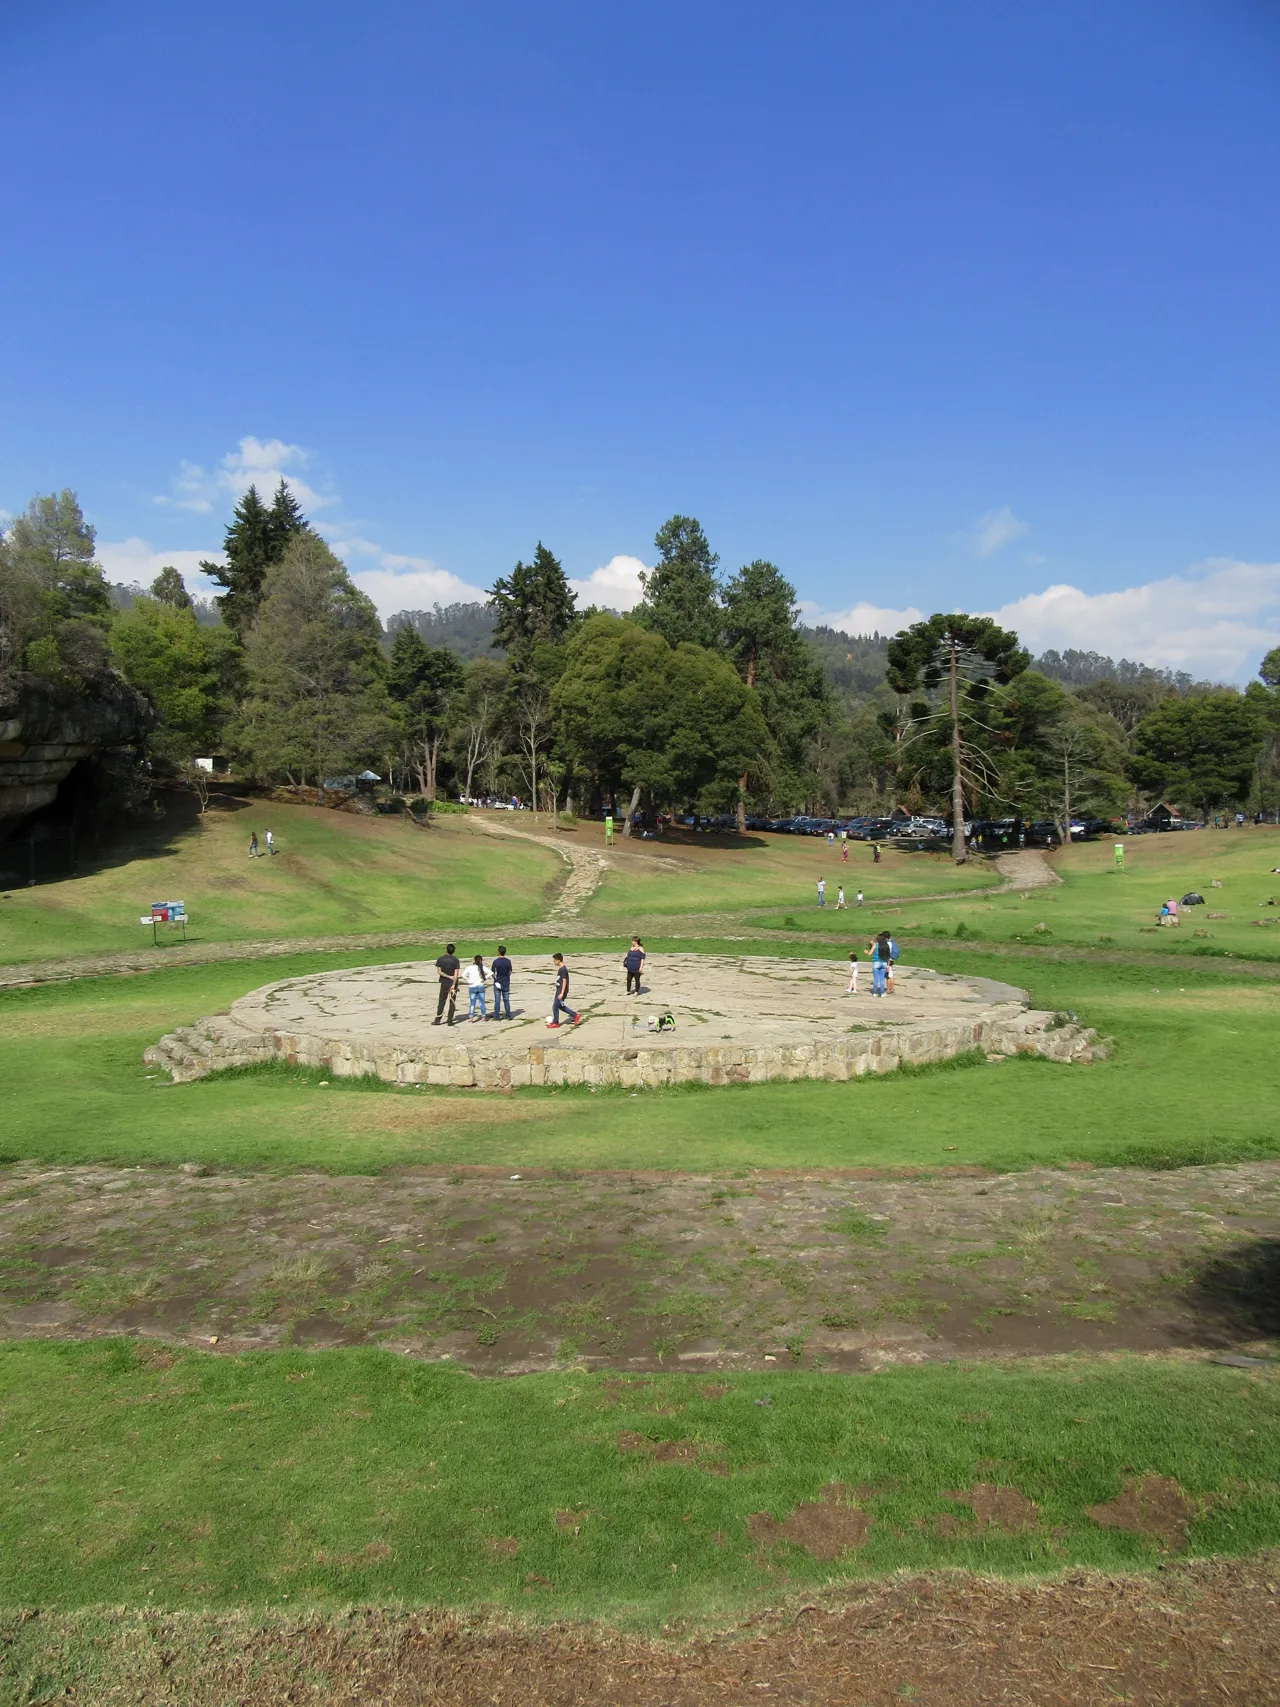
(448, 966)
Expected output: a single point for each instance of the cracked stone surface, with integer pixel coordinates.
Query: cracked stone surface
(737, 1018)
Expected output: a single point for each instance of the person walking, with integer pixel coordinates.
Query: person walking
(875, 853)
(271, 843)
(844, 850)
(831, 837)
(475, 990)
(853, 973)
(892, 949)
(840, 900)
(879, 947)
(560, 1001)
(500, 966)
(253, 845)
(858, 898)
(448, 966)
(822, 891)
(633, 961)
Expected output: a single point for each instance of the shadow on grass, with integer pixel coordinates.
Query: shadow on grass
(1237, 1291)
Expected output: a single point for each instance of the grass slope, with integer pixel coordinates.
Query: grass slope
(134, 1477)
(1097, 906)
(722, 873)
(335, 874)
(1193, 1077)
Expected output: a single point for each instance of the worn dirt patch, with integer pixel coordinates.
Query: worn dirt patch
(1154, 1506)
(825, 1528)
(818, 1270)
(1004, 1510)
(1184, 1636)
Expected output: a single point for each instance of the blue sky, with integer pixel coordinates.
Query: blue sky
(932, 304)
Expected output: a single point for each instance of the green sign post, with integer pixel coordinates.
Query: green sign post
(1119, 856)
(608, 831)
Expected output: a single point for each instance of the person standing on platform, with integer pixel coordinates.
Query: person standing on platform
(448, 966)
(500, 966)
(633, 961)
(475, 989)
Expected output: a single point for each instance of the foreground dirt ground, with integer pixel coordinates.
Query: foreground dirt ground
(510, 1273)
(1188, 1634)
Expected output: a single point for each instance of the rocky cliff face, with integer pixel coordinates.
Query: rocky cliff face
(42, 737)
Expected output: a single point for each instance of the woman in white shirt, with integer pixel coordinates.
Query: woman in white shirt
(475, 989)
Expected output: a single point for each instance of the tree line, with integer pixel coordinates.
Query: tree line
(710, 695)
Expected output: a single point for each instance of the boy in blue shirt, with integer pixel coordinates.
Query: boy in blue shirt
(560, 1002)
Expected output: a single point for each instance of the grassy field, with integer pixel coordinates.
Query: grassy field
(710, 874)
(334, 874)
(1193, 1077)
(138, 1476)
(1097, 906)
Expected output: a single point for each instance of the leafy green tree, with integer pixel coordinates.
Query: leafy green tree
(677, 725)
(187, 670)
(316, 701)
(423, 683)
(534, 606)
(170, 589)
(1201, 750)
(963, 656)
(1058, 755)
(762, 638)
(54, 601)
(1128, 702)
(256, 537)
(478, 723)
(681, 592)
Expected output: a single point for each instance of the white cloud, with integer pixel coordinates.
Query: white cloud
(1215, 621)
(192, 490)
(263, 463)
(992, 530)
(134, 563)
(419, 588)
(861, 618)
(616, 586)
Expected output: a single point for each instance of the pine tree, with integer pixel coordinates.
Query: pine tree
(255, 539)
(534, 606)
(681, 593)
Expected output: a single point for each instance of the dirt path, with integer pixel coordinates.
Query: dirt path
(1189, 1633)
(586, 867)
(1027, 869)
(511, 1274)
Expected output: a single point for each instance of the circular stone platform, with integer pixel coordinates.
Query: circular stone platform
(739, 1019)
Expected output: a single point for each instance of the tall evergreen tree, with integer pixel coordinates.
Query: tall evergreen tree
(681, 593)
(255, 539)
(761, 630)
(316, 702)
(534, 606)
(960, 657)
(423, 681)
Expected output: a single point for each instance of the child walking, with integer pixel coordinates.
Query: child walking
(853, 973)
(560, 1001)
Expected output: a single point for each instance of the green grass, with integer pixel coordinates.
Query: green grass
(293, 1479)
(335, 874)
(1193, 1077)
(1113, 911)
(721, 873)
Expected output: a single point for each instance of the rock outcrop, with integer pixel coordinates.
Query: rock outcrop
(43, 736)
